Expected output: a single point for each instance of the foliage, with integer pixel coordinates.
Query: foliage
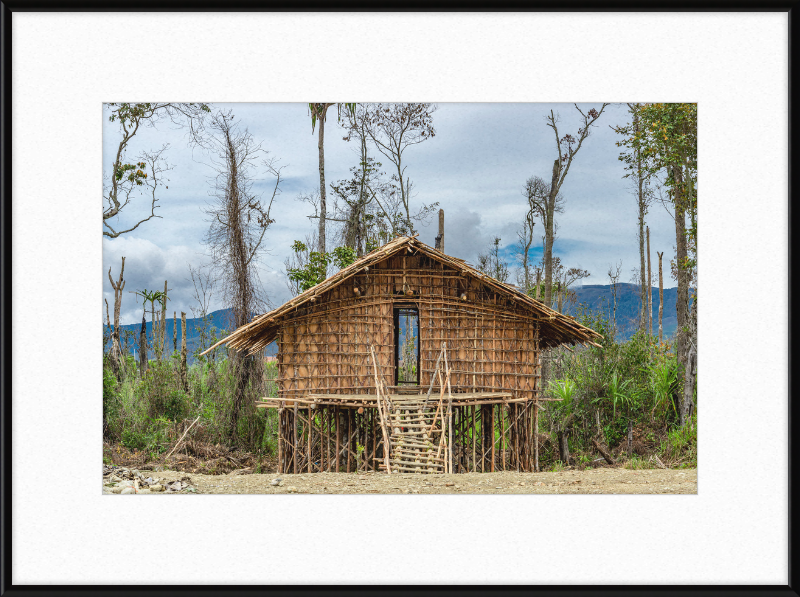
(564, 390)
(608, 387)
(149, 414)
(666, 139)
(619, 392)
(315, 268)
(145, 173)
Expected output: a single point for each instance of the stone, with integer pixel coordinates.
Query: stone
(156, 487)
(127, 491)
(276, 482)
(115, 489)
(291, 489)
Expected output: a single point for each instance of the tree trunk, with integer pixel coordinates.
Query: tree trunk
(322, 202)
(562, 432)
(660, 299)
(649, 287)
(560, 298)
(690, 374)
(174, 331)
(184, 370)
(143, 347)
(153, 329)
(682, 301)
(642, 206)
(630, 439)
(116, 350)
(603, 452)
(162, 341)
(563, 447)
(549, 231)
(642, 270)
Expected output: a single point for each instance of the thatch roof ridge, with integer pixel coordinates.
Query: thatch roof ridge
(239, 337)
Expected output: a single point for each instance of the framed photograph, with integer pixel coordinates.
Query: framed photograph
(445, 330)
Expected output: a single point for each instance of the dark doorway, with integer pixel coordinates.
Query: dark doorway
(406, 346)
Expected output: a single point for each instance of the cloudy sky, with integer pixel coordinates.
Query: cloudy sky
(475, 167)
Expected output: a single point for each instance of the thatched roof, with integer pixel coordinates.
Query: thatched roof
(556, 328)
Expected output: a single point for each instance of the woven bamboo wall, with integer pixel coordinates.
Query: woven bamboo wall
(491, 343)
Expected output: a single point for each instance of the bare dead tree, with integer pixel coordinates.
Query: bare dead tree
(145, 175)
(162, 324)
(613, 275)
(649, 288)
(239, 220)
(567, 279)
(568, 147)
(365, 207)
(393, 128)
(319, 113)
(660, 298)
(202, 293)
(491, 264)
(640, 177)
(522, 248)
(115, 354)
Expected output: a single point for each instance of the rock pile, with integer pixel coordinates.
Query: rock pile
(125, 481)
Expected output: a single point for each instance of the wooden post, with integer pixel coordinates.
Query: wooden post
(308, 420)
(349, 412)
(491, 466)
(174, 331)
(326, 417)
(449, 407)
(296, 432)
(384, 419)
(536, 436)
(280, 440)
(338, 435)
(474, 440)
(502, 409)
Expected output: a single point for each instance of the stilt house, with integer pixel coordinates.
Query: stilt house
(411, 348)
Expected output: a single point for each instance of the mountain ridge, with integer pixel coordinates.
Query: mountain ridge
(595, 297)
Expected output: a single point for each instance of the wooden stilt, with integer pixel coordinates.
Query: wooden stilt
(338, 435)
(296, 432)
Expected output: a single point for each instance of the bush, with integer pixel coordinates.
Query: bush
(609, 387)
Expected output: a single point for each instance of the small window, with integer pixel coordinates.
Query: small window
(406, 345)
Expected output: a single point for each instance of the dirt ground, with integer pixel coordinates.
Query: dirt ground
(590, 481)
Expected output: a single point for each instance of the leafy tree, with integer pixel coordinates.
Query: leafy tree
(313, 269)
(145, 173)
(666, 142)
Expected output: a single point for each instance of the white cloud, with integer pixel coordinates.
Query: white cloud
(475, 167)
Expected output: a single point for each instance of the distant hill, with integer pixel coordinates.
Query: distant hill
(594, 297)
(599, 298)
(220, 322)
